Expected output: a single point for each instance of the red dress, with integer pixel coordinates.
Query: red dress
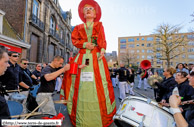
(92, 102)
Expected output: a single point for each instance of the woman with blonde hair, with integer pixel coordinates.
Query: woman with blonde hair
(166, 86)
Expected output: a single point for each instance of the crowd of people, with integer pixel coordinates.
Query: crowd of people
(90, 91)
(181, 77)
(18, 78)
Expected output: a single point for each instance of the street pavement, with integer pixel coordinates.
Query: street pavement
(60, 108)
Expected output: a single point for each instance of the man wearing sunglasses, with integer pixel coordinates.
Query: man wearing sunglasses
(11, 77)
(25, 80)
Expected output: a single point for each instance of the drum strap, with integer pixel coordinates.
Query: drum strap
(28, 77)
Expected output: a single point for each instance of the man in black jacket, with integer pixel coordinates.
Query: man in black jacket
(4, 110)
(25, 80)
(123, 77)
(11, 77)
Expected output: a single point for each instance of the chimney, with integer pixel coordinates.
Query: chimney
(139, 34)
(2, 13)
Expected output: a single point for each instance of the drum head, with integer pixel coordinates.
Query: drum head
(15, 108)
(120, 123)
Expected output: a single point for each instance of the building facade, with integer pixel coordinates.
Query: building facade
(9, 37)
(142, 48)
(111, 58)
(43, 25)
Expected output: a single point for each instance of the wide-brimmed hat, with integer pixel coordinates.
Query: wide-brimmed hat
(94, 4)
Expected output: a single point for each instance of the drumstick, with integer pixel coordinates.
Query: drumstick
(45, 100)
(23, 115)
(10, 91)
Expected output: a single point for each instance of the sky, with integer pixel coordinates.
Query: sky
(123, 18)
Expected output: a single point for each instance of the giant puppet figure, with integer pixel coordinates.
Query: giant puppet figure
(92, 102)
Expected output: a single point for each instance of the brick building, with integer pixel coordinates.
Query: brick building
(142, 46)
(9, 37)
(43, 25)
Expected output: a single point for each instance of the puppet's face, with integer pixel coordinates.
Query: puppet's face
(89, 12)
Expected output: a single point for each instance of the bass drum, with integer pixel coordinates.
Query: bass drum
(15, 108)
(141, 112)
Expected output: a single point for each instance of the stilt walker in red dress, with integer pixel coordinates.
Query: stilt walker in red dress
(90, 92)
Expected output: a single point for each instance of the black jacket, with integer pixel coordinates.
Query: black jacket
(190, 114)
(165, 88)
(185, 91)
(123, 74)
(11, 77)
(113, 73)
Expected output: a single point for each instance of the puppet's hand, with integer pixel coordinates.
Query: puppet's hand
(90, 46)
(101, 55)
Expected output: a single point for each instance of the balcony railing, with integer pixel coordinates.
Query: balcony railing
(37, 22)
(54, 34)
(62, 41)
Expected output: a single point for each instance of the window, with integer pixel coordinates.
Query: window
(123, 41)
(149, 45)
(131, 45)
(142, 50)
(132, 51)
(191, 43)
(183, 56)
(137, 45)
(143, 57)
(158, 55)
(137, 39)
(137, 50)
(159, 61)
(137, 63)
(191, 50)
(122, 46)
(55, 1)
(51, 52)
(52, 23)
(131, 40)
(149, 57)
(142, 38)
(149, 51)
(122, 51)
(137, 57)
(34, 48)
(150, 39)
(61, 34)
(142, 44)
(158, 39)
(190, 36)
(35, 10)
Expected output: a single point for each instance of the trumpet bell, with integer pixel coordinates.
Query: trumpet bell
(154, 78)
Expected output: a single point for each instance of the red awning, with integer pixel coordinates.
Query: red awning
(12, 48)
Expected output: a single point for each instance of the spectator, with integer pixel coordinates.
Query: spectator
(113, 76)
(59, 83)
(47, 86)
(37, 71)
(44, 65)
(181, 67)
(175, 101)
(11, 77)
